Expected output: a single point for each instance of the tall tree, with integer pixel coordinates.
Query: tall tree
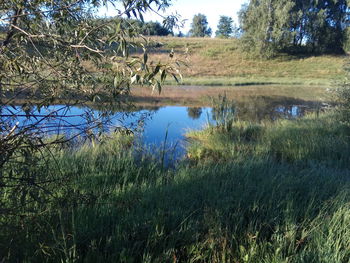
(199, 26)
(265, 25)
(225, 27)
(273, 25)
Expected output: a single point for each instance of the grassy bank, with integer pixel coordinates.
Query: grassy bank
(312, 138)
(221, 62)
(256, 193)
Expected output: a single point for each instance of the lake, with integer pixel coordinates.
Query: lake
(159, 118)
(155, 122)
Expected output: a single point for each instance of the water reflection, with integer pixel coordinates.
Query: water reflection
(274, 108)
(194, 112)
(153, 123)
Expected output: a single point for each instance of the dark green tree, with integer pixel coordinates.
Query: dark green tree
(154, 29)
(199, 26)
(225, 27)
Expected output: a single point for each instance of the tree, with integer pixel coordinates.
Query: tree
(199, 26)
(265, 26)
(225, 27)
(154, 29)
(270, 26)
(45, 47)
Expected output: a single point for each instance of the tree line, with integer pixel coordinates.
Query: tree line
(267, 27)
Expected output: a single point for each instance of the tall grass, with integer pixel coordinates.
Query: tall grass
(276, 193)
(312, 138)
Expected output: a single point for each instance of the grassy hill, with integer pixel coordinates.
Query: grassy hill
(221, 62)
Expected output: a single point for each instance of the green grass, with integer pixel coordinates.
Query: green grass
(258, 193)
(221, 62)
(320, 138)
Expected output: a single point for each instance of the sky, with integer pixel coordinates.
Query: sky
(188, 8)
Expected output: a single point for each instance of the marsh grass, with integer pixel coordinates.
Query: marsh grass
(313, 137)
(257, 193)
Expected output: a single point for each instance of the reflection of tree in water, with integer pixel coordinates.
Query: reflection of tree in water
(194, 112)
(273, 108)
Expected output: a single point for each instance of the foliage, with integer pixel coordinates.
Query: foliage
(155, 29)
(225, 27)
(271, 26)
(199, 26)
(140, 27)
(44, 52)
(264, 25)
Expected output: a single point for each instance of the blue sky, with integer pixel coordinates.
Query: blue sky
(188, 8)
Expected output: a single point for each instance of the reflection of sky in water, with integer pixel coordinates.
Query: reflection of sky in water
(290, 111)
(173, 120)
(155, 123)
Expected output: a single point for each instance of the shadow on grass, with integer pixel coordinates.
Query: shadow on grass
(205, 211)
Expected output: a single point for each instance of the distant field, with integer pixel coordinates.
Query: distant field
(220, 62)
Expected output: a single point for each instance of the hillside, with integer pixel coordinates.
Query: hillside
(221, 62)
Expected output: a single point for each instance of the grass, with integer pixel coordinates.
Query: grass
(220, 62)
(255, 193)
(301, 140)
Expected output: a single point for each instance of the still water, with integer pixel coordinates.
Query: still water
(154, 125)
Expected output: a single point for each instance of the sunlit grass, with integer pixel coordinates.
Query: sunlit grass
(321, 138)
(221, 62)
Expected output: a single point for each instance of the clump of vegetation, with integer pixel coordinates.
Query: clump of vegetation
(224, 111)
